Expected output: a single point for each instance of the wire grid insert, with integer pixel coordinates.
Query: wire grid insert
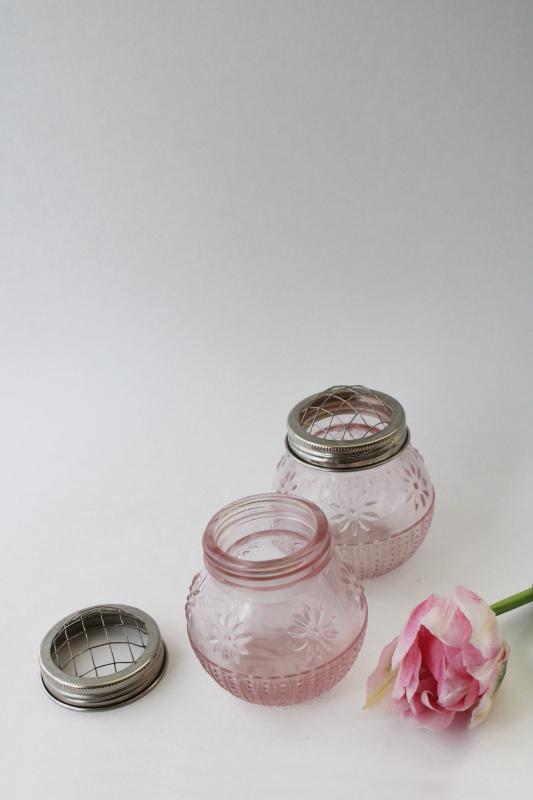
(100, 641)
(345, 413)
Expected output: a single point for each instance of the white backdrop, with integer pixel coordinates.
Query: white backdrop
(209, 211)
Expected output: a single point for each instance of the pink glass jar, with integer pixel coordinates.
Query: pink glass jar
(276, 617)
(348, 451)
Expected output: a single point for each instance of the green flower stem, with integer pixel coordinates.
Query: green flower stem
(514, 601)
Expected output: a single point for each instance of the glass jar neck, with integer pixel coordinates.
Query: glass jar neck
(295, 528)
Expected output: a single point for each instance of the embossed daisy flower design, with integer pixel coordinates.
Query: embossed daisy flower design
(350, 581)
(354, 520)
(288, 483)
(415, 486)
(313, 633)
(229, 638)
(194, 591)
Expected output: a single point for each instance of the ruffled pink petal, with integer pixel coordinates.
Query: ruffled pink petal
(431, 720)
(457, 690)
(454, 657)
(426, 698)
(432, 652)
(480, 712)
(480, 668)
(448, 623)
(379, 683)
(416, 706)
(486, 635)
(408, 674)
(400, 705)
(410, 630)
(471, 657)
(470, 699)
(427, 690)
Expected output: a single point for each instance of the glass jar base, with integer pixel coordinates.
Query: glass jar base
(372, 559)
(289, 689)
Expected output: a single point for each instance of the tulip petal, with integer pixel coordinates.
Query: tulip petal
(480, 712)
(448, 623)
(426, 700)
(411, 628)
(442, 617)
(486, 635)
(483, 669)
(433, 652)
(408, 675)
(379, 683)
(431, 720)
(457, 690)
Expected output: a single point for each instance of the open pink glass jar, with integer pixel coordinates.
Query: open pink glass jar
(276, 617)
(348, 451)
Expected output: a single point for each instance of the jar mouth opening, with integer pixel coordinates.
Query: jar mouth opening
(266, 540)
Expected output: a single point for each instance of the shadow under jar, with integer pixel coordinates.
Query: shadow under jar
(276, 617)
(348, 451)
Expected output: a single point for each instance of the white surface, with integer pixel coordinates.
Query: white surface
(211, 210)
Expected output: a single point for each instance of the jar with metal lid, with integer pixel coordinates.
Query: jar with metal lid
(276, 617)
(348, 451)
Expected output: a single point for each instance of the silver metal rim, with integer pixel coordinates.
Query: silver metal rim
(116, 705)
(347, 455)
(109, 691)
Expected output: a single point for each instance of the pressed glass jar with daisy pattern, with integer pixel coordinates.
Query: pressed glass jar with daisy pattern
(348, 450)
(276, 617)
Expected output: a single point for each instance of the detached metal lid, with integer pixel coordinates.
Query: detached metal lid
(347, 428)
(102, 657)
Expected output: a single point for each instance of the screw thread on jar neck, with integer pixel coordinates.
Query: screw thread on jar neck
(294, 527)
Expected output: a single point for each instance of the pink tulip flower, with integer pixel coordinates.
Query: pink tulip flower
(449, 659)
